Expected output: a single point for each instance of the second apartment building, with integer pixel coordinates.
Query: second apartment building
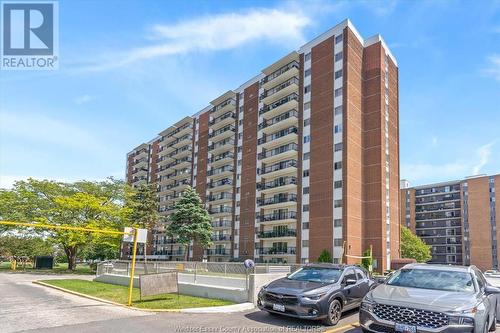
(302, 158)
(458, 219)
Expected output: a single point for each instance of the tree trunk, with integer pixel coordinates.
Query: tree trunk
(71, 255)
(186, 254)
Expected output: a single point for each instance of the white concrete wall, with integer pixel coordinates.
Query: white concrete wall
(257, 281)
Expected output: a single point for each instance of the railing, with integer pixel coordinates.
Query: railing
(221, 237)
(279, 87)
(277, 135)
(277, 199)
(176, 141)
(282, 181)
(279, 150)
(224, 129)
(275, 74)
(222, 224)
(218, 252)
(222, 209)
(277, 251)
(225, 181)
(221, 143)
(278, 166)
(223, 104)
(276, 234)
(218, 171)
(229, 114)
(277, 216)
(220, 196)
(221, 156)
(277, 119)
(276, 104)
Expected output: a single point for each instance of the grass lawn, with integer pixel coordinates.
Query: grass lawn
(119, 294)
(60, 268)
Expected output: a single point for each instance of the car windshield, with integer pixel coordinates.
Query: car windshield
(432, 279)
(317, 274)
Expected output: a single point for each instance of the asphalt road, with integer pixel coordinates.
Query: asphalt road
(25, 306)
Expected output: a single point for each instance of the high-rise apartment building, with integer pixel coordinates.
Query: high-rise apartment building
(302, 158)
(456, 218)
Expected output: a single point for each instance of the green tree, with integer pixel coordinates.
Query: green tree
(190, 221)
(97, 205)
(367, 262)
(413, 247)
(21, 246)
(325, 256)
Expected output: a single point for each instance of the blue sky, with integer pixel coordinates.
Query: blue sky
(128, 69)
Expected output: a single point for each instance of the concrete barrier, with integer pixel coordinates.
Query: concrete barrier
(257, 281)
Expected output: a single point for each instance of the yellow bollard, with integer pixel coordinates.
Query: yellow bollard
(132, 270)
(13, 264)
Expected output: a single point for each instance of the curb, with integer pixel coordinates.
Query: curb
(215, 309)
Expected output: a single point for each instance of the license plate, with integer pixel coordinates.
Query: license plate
(279, 307)
(403, 328)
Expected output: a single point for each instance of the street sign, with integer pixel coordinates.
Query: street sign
(142, 235)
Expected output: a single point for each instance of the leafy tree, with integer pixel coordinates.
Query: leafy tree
(367, 262)
(413, 247)
(97, 205)
(22, 246)
(190, 221)
(325, 256)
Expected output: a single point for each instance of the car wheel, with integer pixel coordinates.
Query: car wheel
(334, 313)
(493, 326)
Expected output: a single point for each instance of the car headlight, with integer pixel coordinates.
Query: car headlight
(314, 297)
(367, 304)
(460, 320)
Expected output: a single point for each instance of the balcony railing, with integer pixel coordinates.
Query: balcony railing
(276, 234)
(279, 87)
(223, 104)
(277, 119)
(282, 181)
(218, 171)
(179, 161)
(275, 74)
(231, 128)
(229, 114)
(220, 209)
(218, 252)
(276, 250)
(140, 160)
(221, 238)
(227, 141)
(222, 224)
(174, 132)
(277, 135)
(276, 104)
(277, 216)
(220, 196)
(277, 199)
(225, 181)
(185, 137)
(278, 166)
(227, 154)
(279, 150)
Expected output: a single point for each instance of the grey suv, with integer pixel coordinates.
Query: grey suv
(428, 298)
(316, 291)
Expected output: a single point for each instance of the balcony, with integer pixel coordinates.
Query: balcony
(283, 152)
(222, 108)
(226, 119)
(180, 186)
(285, 104)
(221, 185)
(218, 252)
(278, 234)
(222, 224)
(140, 162)
(282, 74)
(223, 133)
(278, 138)
(221, 238)
(218, 160)
(280, 91)
(219, 147)
(279, 217)
(280, 122)
(276, 251)
(220, 198)
(181, 163)
(282, 184)
(277, 201)
(222, 172)
(221, 210)
(281, 168)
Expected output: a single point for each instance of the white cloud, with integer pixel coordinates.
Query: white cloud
(483, 153)
(83, 99)
(213, 33)
(493, 68)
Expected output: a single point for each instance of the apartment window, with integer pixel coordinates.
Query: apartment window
(239, 149)
(306, 156)
(237, 190)
(338, 146)
(338, 39)
(338, 242)
(305, 225)
(307, 56)
(338, 110)
(305, 208)
(307, 122)
(240, 135)
(307, 89)
(338, 128)
(337, 203)
(241, 109)
(338, 74)
(305, 243)
(338, 56)
(240, 122)
(239, 162)
(337, 222)
(337, 184)
(305, 173)
(307, 106)
(337, 165)
(237, 217)
(338, 92)
(307, 138)
(307, 72)
(305, 190)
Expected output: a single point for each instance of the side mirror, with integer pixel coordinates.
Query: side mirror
(491, 290)
(350, 282)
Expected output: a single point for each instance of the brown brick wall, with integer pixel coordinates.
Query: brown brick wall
(479, 223)
(130, 167)
(235, 175)
(321, 157)
(352, 160)
(154, 164)
(300, 127)
(248, 172)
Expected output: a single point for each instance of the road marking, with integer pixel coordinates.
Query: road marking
(338, 329)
